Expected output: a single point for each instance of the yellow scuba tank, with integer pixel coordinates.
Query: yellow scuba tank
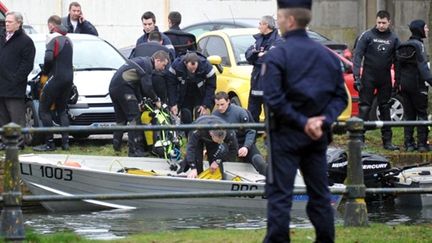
(146, 120)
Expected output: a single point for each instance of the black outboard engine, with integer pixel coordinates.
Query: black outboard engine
(373, 165)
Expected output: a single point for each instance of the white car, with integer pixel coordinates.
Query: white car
(95, 62)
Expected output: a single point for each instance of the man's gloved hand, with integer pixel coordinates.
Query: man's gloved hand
(357, 84)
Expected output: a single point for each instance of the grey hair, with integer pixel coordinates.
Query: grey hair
(18, 16)
(270, 21)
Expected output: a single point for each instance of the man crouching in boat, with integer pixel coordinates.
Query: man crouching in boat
(221, 145)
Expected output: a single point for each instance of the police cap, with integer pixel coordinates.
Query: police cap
(294, 4)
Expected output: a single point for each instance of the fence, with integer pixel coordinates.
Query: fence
(12, 227)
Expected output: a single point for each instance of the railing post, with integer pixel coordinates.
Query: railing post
(12, 228)
(355, 207)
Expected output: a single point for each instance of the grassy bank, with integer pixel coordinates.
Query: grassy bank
(374, 233)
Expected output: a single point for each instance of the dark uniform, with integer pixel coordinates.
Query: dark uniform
(165, 41)
(246, 137)
(159, 82)
(189, 91)
(412, 72)
(378, 51)
(295, 91)
(56, 92)
(262, 43)
(181, 40)
(129, 85)
(199, 139)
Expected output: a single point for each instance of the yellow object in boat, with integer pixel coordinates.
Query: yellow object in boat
(207, 174)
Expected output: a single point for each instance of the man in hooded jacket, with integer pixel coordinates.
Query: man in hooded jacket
(412, 74)
(55, 93)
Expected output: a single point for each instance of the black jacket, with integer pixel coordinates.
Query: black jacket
(181, 40)
(236, 114)
(147, 49)
(136, 74)
(165, 41)
(83, 28)
(58, 61)
(16, 62)
(179, 81)
(377, 49)
(201, 137)
(263, 43)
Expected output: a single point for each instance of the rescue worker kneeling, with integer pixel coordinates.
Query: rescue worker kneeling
(129, 85)
(221, 145)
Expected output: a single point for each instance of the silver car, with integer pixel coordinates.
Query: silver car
(95, 62)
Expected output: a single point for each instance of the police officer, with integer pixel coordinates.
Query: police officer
(129, 85)
(231, 113)
(221, 145)
(191, 86)
(181, 40)
(376, 48)
(304, 99)
(56, 92)
(147, 49)
(412, 71)
(254, 54)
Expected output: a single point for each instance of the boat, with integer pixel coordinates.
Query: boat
(68, 175)
(418, 177)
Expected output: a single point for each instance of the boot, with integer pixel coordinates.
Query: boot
(49, 146)
(423, 148)
(390, 146)
(259, 163)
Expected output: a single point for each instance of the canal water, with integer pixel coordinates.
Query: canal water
(119, 223)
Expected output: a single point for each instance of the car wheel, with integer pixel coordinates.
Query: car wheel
(235, 100)
(396, 109)
(32, 120)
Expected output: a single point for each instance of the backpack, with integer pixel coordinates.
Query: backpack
(406, 53)
(406, 57)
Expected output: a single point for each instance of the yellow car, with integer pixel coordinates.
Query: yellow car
(230, 45)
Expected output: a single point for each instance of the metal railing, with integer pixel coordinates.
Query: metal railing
(12, 228)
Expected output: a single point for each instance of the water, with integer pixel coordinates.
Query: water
(120, 223)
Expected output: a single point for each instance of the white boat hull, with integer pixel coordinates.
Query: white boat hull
(419, 177)
(46, 174)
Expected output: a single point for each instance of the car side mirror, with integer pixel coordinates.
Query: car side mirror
(216, 61)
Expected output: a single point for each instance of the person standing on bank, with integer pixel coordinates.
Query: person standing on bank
(231, 113)
(376, 49)
(148, 20)
(303, 99)
(75, 21)
(264, 40)
(56, 92)
(131, 83)
(412, 71)
(17, 53)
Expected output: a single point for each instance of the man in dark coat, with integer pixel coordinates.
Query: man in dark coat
(147, 49)
(181, 40)
(191, 86)
(149, 24)
(75, 21)
(231, 113)
(56, 92)
(412, 73)
(304, 98)
(17, 53)
(221, 145)
(129, 85)
(376, 48)
(264, 40)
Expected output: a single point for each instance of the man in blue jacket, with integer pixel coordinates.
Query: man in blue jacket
(75, 21)
(303, 98)
(191, 86)
(267, 37)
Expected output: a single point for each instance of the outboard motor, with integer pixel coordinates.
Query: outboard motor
(373, 165)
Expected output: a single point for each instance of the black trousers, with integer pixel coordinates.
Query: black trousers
(13, 110)
(376, 84)
(256, 159)
(292, 150)
(54, 103)
(255, 106)
(127, 113)
(415, 108)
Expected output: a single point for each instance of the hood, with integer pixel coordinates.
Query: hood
(406, 53)
(93, 83)
(417, 28)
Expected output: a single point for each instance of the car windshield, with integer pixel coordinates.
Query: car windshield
(240, 44)
(317, 37)
(87, 55)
